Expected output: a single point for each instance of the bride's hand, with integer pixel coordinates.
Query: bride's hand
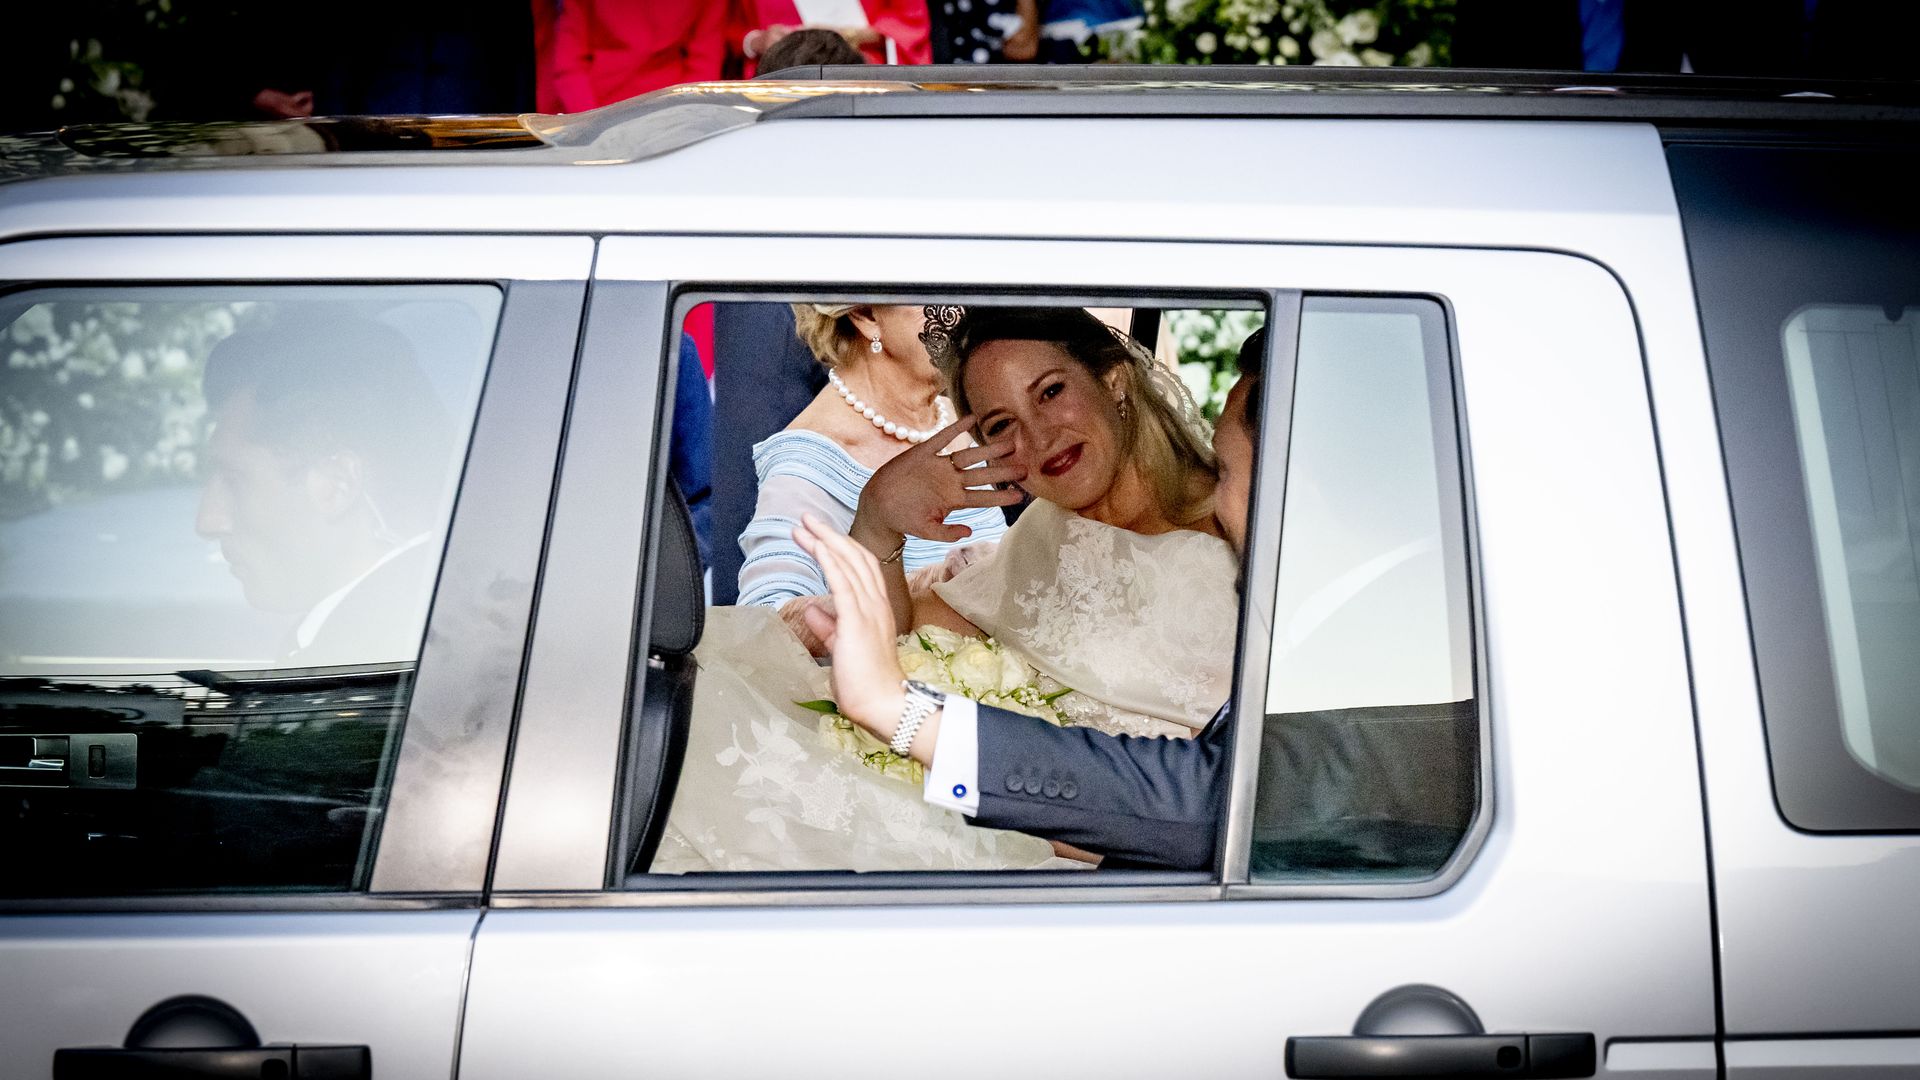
(859, 631)
(913, 494)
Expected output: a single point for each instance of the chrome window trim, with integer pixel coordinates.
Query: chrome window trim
(217, 903)
(864, 896)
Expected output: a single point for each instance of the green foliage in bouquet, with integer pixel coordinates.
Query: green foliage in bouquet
(978, 668)
(1385, 33)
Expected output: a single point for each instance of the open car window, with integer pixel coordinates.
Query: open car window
(737, 765)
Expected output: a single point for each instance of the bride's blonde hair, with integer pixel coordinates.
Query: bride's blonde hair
(1164, 437)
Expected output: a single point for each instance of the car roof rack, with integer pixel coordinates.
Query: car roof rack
(1120, 90)
(671, 119)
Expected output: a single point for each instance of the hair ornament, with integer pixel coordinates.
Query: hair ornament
(937, 334)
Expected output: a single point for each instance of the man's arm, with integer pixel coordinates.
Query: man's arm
(1143, 801)
(1148, 802)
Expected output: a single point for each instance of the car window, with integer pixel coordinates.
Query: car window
(1369, 755)
(1373, 725)
(1851, 374)
(1816, 386)
(808, 400)
(222, 510)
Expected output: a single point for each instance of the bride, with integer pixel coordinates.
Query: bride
(1114, 582)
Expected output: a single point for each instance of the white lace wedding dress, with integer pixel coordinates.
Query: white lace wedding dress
(1142, 627)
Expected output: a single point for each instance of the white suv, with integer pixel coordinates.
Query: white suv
(1593, 422)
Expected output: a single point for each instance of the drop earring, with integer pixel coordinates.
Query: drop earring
(1126, 409)
(874, 346)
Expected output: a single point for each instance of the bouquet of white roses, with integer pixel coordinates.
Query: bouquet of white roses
(978, 668)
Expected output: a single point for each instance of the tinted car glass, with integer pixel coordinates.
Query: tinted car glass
(1856, 410)
(221, 516)
(1806, 261)
(1369, 756)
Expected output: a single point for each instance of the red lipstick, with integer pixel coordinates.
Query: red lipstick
(1059, 463)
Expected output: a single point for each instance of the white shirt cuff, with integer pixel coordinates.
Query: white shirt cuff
(953, 777)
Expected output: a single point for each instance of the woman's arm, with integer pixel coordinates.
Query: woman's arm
(774, 569)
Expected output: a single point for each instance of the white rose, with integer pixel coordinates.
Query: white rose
(838, 734)
(1261, 45)
(1014, 672)
(1343, 58)
(976, 668)
(1376, 58)
(1206, 43)
(1290, 48)
(917, 663)
(1323, 44)
(944, 641)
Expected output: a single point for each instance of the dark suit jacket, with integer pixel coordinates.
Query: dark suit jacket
(1337, 789)
(763, 375)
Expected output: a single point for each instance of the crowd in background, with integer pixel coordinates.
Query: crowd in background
(95, 60)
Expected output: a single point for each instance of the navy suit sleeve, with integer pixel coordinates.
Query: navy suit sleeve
(691, 452)
(1145, 802)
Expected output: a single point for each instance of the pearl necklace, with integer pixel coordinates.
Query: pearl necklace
(898, 431)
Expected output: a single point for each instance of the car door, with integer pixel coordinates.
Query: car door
(1810, 615)
(273, 511)
(1458, 522)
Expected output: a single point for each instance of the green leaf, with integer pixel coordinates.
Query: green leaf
(1056, 695)
(820, 706)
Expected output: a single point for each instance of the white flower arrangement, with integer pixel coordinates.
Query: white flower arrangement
(981, 669)
(1349, 33)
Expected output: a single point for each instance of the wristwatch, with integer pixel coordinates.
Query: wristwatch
(921, 701)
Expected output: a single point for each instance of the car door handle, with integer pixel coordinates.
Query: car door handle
(224, 1063)
(1542, 1056)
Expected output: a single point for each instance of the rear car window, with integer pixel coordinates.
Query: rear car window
(1806, 262)
(222, 511)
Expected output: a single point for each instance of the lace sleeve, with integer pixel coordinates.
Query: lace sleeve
(1140, 626)
(775, 570)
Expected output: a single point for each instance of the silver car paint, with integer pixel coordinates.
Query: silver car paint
(1817, 933)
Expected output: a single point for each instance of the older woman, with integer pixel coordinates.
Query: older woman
(882, 396)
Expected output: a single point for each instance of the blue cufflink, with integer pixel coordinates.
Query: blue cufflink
(959, 791)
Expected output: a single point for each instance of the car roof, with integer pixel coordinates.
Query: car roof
(677, 117)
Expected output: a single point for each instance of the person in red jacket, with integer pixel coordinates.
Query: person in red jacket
(886, 31)
(592, 52)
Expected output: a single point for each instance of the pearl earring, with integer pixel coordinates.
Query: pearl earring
(1126, 409)
(873, 346)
